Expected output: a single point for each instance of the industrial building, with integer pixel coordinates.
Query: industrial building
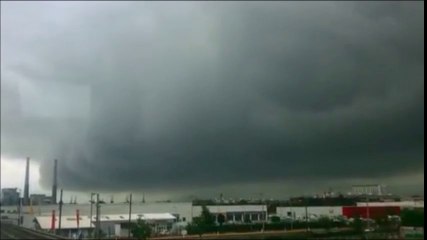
(9, 196)
(300, 213)
(69, 225)
(370, 212)
(236, 213)
(113, 225)
(116, 225)
(314, 213)
(40, 199)
(402, 204)
(372, 189)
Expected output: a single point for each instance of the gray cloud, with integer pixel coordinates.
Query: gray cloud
(182, 95)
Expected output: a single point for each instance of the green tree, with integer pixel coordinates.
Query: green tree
(358, 225)
(412, 217)
(275, 219)
(206, 216)
(141, 230)
(202, 224)
(325, 223)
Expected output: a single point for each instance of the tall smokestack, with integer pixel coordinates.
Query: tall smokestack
(27, 183)
(55, 181)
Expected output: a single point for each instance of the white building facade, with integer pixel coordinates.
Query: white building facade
(116, 225)
(402, 204)
(300, 213)
(373, 189)
(236, 213)
(69, 226)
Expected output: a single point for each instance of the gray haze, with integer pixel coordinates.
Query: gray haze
(167, 96)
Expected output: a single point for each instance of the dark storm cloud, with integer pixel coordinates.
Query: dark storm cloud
(205, 94)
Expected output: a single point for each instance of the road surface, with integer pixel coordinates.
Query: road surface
(12, 231)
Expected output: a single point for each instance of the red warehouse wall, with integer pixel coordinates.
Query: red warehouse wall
(374, 212)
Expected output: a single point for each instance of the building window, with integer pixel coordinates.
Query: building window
(238, 217)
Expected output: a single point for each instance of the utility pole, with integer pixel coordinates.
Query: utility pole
(97, 230)
(367, 212)
(265, 218)
(19, 210)
(292, 214)
(91, 208)
(263, 212)
(306, 214)
(130, 213)
(95, 234)
(91, 205)
(60, 211)
(192, 209)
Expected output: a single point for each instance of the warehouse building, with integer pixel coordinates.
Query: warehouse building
(314, 213)
(69, 227)
(300, 213)
(402, 204)
(370, 212)
(40, 199)
(116, 225)
(9, 196)
(236, 213)
(370, 189)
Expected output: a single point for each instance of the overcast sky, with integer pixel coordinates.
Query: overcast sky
(197, 98)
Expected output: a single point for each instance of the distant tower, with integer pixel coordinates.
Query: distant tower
(27, 183)
(55, 183)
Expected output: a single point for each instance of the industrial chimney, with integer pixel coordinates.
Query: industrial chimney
(55, 182)
(27, 183)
